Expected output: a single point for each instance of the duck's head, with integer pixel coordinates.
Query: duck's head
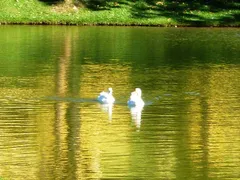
(138, 91)
(110, 90)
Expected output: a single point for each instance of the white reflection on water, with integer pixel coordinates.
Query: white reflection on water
(107, 108)
(136, 114)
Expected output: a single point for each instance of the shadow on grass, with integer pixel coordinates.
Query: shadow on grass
(190, 13)
(185, 12)
(98, 5)
(52, 2)
(95, 5)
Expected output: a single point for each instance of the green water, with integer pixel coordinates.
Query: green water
(52, 127)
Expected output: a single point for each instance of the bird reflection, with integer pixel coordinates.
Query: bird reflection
(107, 108)
(136, 113)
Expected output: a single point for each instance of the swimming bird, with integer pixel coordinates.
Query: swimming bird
(106, 97)
(136, 98)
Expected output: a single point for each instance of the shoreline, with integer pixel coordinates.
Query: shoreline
(117, 25)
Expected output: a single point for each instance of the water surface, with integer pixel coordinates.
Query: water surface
(51, 126)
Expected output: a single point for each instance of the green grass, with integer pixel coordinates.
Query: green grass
(122, 13)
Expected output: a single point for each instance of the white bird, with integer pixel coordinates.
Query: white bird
(106, 97)
(136, 98)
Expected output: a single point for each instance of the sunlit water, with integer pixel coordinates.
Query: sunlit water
(52, 127)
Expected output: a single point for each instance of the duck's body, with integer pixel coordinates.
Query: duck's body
(106, 97)
(136, 98)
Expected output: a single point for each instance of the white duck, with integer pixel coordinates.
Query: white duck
(106, 97)
(136, 98)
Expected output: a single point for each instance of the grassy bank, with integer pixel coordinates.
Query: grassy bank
(119, 13)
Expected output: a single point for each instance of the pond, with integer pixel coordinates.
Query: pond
(52, 127)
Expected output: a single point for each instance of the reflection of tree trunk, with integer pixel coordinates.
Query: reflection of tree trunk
(61, 107)
(204, 133)
(62, 79)
(67, 117)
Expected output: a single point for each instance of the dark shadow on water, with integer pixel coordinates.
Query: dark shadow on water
(70, 99)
